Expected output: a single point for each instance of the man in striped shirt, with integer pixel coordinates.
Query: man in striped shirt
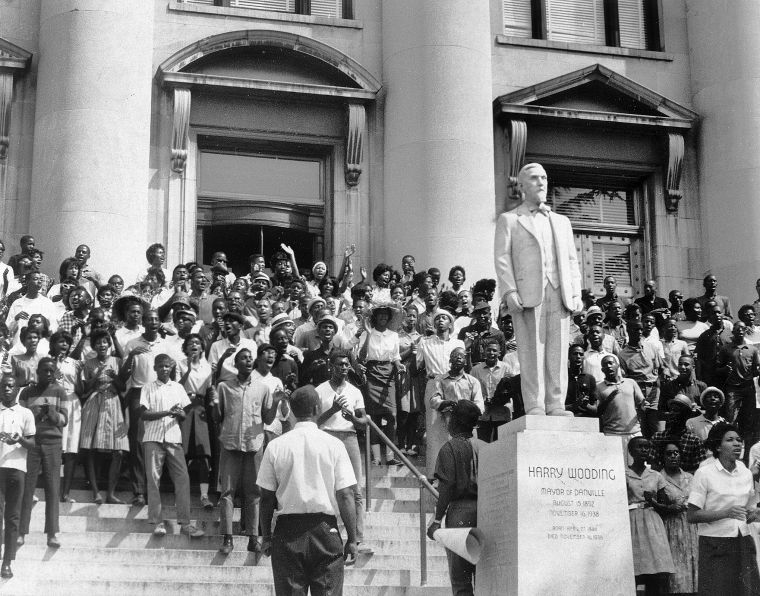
(162, 407)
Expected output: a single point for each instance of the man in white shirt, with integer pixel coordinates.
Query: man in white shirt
(17, 431)
(138, 371)
(341, 409)
(308, 474)
(221, 357)
(33, 302)
(162, 408)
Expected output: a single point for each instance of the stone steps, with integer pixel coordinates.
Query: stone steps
(24, 587)
(110, 549)
(206, 557)
(256, 574)
(145, 540)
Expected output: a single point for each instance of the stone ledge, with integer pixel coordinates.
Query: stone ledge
(265, 15)
(507, 40)
(551, 423)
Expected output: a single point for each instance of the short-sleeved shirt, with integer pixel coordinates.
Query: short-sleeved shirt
(241, 405)
(618, 413)
(650, 480)
(229, 372)
(489, 377)
(124, 336)
(327, 395)
(640, 363)
(142, 364)
(671, 352)
(304, 468)
(15, 419)
(157, 397)
(701, 426)
(715, 488)
(199, 379)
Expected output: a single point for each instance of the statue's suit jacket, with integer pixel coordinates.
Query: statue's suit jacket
(519, 262)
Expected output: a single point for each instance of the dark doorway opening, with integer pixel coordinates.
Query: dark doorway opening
(241, 241)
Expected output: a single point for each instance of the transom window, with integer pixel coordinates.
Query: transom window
(620, 23)
(317, 8)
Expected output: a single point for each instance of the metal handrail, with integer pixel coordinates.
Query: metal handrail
(423, 482)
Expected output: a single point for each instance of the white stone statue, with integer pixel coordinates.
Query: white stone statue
(539, 281)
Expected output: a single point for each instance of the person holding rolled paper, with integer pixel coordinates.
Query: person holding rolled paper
(456, 469)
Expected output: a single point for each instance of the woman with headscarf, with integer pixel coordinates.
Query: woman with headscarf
(379, 360)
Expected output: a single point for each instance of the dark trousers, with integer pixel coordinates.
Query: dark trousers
(45, 456)
(307, 554)
(461, 514)
(728, 566)
(488, 430)
(134, 434)
(11, 494)
(736, 397)
(385, 418)
(409, 428)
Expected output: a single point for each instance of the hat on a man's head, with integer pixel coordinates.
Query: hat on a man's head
(328, 319)
(593, 310)
(314, 301)
(262, 277)
(482, 305)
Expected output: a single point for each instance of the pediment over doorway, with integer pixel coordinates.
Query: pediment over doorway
(595, 93)
(12, 56)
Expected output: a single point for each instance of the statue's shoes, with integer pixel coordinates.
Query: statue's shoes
(535, 412)
(561, 412)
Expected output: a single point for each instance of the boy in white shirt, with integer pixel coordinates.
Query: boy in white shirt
(162, 406)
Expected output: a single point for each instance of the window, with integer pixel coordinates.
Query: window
(606, 212)
(317, 8)
(620, 23)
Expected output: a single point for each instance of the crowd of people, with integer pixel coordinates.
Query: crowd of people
(197, 368)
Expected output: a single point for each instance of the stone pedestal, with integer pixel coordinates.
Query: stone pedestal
(552, 504)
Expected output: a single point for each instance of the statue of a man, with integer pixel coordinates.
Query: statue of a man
(539, 280)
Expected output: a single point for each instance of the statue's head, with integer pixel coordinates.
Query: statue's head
(533, 184)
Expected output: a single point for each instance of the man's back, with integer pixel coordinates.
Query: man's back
(305, 467)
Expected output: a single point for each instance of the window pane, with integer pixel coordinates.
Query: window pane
(633, 31)
(612, 259)
(579, 21)
(260, 178)
(593, 205)
(517, 18)
(276, 5)
(327, 8)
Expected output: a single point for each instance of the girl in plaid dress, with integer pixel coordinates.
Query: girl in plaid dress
(103, 428)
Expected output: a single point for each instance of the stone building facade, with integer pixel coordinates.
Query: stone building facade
(393, 124)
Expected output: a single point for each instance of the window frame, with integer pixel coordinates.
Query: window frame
(653, 23)
(303, 7)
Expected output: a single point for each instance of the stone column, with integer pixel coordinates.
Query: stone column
(725, 74)
(438, 162)
(92, 133)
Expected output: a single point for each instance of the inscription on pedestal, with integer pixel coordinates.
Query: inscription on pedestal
(553, 507)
